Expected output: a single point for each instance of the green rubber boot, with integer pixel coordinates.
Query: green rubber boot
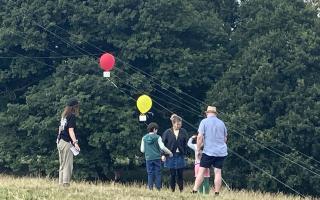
(205, 187)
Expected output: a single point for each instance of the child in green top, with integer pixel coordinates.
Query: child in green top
(151, 146)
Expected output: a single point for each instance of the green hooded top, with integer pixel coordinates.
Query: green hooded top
(151, 147)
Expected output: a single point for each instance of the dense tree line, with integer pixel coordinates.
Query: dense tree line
(257, 61)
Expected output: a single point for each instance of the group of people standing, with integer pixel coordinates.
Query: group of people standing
(209, 146)
(174, 144)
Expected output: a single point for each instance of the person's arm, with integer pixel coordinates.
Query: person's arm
(185, 141)
(142, 146)
(199, 142)
(225, 134)
(164, 148)
(201, 132)
(190, 145)
(72, 135)
(71, 123)
(73, 138)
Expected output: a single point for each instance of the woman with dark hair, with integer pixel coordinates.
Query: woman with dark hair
(175, 139)
(66, 140)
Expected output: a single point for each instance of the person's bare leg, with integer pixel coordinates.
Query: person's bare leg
(199, 178)
(217, 180)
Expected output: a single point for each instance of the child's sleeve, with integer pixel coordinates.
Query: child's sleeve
(162, 147)
(190, 145)
(142, 146)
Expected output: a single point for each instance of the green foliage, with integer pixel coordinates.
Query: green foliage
(270, 93)
(258, 61)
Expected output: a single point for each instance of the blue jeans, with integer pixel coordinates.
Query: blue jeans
(154, 171)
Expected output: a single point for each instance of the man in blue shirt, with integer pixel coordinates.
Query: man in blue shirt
(212, 135)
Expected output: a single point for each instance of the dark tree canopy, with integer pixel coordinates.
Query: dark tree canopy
(257, 61)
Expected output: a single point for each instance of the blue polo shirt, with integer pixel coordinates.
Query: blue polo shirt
(214, 132)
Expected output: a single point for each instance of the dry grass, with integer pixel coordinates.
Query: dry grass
(47, 189)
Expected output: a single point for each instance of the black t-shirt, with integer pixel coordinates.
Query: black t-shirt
(65, 124)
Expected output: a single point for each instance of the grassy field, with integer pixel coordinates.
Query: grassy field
(43, 189)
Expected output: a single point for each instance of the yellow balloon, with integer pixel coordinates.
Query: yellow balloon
(144, 103)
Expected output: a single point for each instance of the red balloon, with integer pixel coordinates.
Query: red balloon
(107, 61)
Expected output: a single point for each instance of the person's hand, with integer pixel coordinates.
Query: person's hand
(77, 146)
(163, 158)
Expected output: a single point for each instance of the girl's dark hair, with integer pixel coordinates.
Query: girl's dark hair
(152, 126)
(68, 110)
